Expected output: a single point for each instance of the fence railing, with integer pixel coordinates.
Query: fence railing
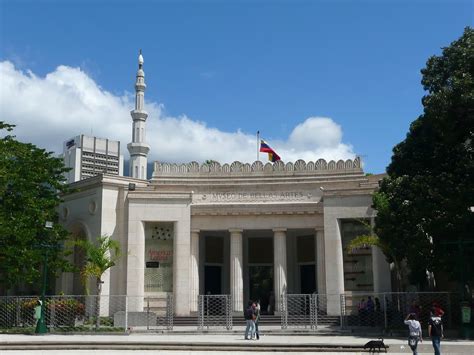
(117, 313)
(107, 313)
(214, 311)
(298, 310)
(308, 311)
(388, 310)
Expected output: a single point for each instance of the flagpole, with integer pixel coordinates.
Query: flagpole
(258, 145)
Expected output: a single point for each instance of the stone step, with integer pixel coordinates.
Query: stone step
(264, 320)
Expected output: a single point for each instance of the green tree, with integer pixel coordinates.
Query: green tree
(31, 182)
(423, 206)
(100, 257)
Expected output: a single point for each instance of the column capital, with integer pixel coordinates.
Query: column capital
(319, 229)
(279, 229)
(236, 230)
(195, 231)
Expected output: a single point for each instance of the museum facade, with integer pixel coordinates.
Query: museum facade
(252, 231)
(249, 230)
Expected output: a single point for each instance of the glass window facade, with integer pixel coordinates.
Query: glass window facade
(159, 257)
(358, 273)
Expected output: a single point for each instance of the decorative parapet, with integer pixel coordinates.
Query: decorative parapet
(300, 167)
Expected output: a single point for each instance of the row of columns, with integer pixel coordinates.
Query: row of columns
(236, 266)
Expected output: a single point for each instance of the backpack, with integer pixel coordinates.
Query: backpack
(248, 314)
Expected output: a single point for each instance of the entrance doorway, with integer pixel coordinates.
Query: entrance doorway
(212, 280)
(261, 284)
(308, 278)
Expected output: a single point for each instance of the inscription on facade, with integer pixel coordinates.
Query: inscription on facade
(255, 196)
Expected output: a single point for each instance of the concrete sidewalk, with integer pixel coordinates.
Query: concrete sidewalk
(150, 343)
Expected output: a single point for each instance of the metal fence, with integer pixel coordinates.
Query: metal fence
(214, 311)
(107, 313)
(388, 310)
(308, 311)
(298, 310)
(110, 313)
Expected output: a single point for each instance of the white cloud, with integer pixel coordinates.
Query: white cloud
(67, 102)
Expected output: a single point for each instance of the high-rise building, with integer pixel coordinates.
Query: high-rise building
(90, 156)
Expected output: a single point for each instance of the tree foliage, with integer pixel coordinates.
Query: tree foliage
(100, 257)
(423, 206)
(31, 181)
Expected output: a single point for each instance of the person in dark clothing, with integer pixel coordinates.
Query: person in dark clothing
(257, 318)
(377, 305)
(250, 321)
(435, 330)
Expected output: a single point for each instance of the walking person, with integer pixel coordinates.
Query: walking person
(250, 321)
(435, 329)
(257, 318)
(414, 332)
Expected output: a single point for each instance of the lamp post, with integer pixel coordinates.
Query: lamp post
(41, 325)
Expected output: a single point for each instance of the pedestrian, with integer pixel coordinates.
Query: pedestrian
(257, 318)
(414, 332)
(377, 305)
(370, 311)
(435, 329)
(250, 321)
(362, 307)
(415, 308)
(37, 311)
(436, 308)
(271, 303)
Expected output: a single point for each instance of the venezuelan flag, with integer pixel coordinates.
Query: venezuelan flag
(265, 148)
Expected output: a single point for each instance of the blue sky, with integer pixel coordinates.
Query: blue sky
(230, 69)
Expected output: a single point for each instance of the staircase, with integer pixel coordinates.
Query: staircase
(332, 321)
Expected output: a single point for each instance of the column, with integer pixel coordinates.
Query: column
(236, 279)
(279, 264)
(320, 262)
(135, 264)
(194, 270)
(181, 268)
(334, 264)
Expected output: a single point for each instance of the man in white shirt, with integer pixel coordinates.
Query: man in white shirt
(415, 334)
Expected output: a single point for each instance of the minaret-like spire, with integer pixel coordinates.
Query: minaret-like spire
(138, 148)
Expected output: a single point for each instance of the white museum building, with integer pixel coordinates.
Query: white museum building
(249, 230)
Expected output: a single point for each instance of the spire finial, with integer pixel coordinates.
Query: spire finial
(140, 60)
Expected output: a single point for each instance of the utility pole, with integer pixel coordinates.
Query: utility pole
(41, 327)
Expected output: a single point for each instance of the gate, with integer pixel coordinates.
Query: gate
(299, 311)
(214, 311)
(160, 312)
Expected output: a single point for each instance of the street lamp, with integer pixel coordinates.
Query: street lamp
(41, 325)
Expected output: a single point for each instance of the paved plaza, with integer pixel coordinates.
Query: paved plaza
(205, 343)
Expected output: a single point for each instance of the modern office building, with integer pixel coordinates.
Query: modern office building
(90, 156)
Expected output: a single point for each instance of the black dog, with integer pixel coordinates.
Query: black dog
(373, 344)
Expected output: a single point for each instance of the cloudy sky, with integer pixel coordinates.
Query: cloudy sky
(318, 80)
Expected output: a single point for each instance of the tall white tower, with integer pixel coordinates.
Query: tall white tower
(138, 149)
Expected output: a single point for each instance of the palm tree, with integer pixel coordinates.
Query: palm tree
(372, 239)
(100, 257)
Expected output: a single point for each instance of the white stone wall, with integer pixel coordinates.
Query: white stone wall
(80, 212)
(337, 207)
(151, 207)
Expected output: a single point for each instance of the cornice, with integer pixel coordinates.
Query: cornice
(257, 209)
(238, 169)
